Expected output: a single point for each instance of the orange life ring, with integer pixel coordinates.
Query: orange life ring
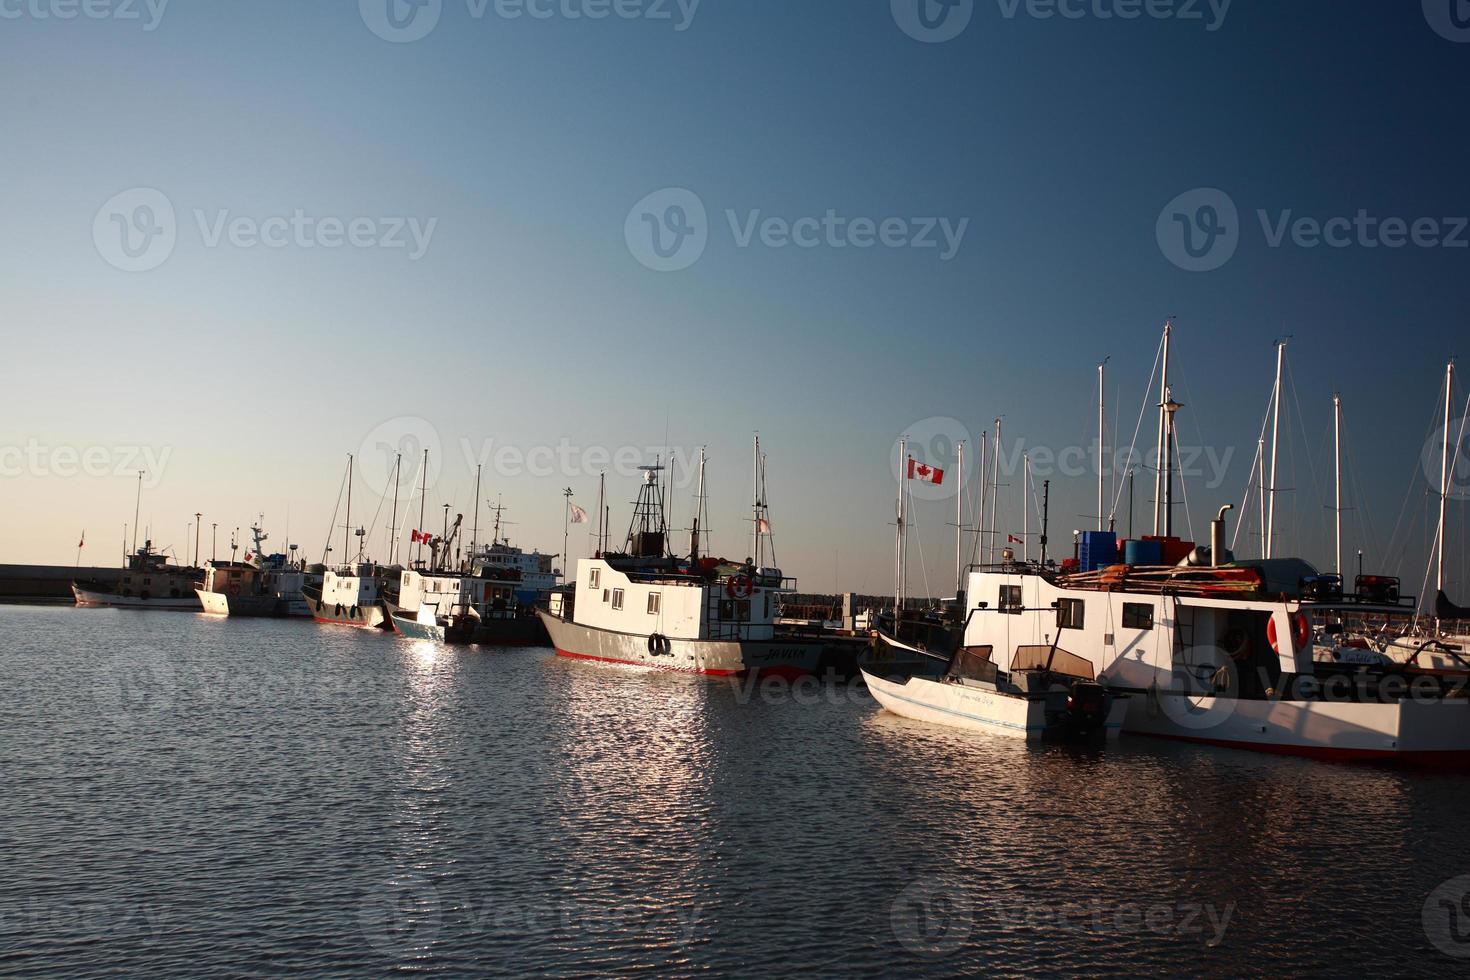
(1301, 629)
(738, 586)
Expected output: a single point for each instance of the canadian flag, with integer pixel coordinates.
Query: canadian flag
(925, 473)
(1012, 539)
(417, 538)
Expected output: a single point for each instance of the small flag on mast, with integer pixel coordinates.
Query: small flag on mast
(82, 543)
(762, 526)
(579, 516)
(925, 473)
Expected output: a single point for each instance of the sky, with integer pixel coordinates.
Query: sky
(243, 241)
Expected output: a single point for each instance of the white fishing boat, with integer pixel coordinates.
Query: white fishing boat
(261, 585)
(148, 581)
(350, 594)
(699, 614)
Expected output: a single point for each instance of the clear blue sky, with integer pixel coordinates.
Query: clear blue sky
(528, 319)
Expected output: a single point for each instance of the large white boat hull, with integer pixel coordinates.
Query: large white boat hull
(975, 708)
(720, 658)
(1419, 732)
(95, 599)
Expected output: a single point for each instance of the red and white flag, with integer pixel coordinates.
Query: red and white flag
(82, 543)
(417, 538)
(579, 516)
(1012, 539)
(925, 473)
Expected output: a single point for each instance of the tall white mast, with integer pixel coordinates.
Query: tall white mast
(1337, 463)
(755, 524)
(903, 463)
(1261, 488)
(1026, 508)
(995, 490)
(698, 512)
(959, 519)
(1101, 435)
(980, 522)
(1159, 460)
(1275, 450)
(1444, 482)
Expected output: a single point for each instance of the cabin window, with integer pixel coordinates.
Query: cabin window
(1010, 600)
(147, 581)
(1138, 616)
(653, 603)
(1070, 614)
(605, 595)
(594, 578)
(617, 599)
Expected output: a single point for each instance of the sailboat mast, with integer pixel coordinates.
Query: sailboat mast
(418, 551)
(1101, 436)
(698, 511)
(601, 513)
(393, 525)
(959, 520)
(475, 536)
(1261, 488)
(347, 527)
(1337, 495)
(137, 508)
(1275, 450)
(1026, 508)
(903, 463)
(1444, 482)
(1162, 450)
(995, 498)
(755, 523)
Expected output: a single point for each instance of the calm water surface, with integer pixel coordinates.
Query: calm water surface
(181, 796)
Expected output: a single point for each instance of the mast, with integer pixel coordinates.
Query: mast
(346, 527)
(980, 524)
(601, 513)
(393, 525)
(1159, 459)
(1101, 436)
(1337, 466)
(698, 511)
(1025, 507)
(418, 552)
(995, 491)
(959, 520)
(1275, 449)
(137, 508)
(1444, 484)
(898, 583)
(475, 534)
(1261, 489)
(1045, 516)
(1170, 407)
(755, 525)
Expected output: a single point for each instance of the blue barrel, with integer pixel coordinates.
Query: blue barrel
(1143, 553)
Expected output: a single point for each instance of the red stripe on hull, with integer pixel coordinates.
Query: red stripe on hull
(1445, 759)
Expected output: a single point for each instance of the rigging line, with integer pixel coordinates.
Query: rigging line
(1184, 489)
(1311, 463)
(1143, 408)
(327, 548)
(1397, 563)
(1250, 477)
(923, 566)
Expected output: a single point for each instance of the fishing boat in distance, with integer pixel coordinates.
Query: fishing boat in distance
(148, 581)
(696, 614)
(261, 585)
(350, 594)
